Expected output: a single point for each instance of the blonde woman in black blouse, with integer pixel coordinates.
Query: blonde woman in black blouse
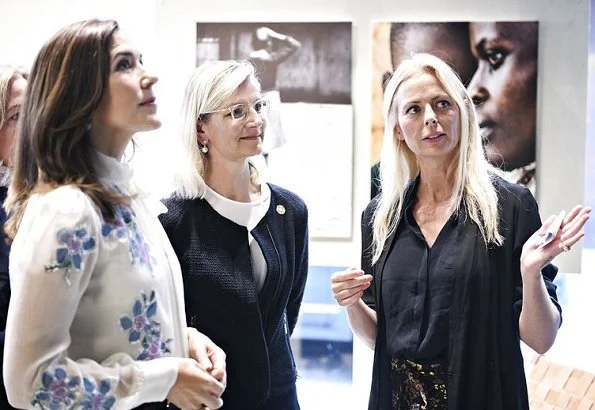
(453, 270)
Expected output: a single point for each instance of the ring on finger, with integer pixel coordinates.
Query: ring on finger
(565, 247)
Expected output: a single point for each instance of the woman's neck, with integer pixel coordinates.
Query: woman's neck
(109, 143)
(232, 180)
(436, 184)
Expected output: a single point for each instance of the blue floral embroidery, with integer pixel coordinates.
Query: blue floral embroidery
(154, 346)
(57, 391)
(97, 398)
(143, 328)
(124, 228)
(75, 244)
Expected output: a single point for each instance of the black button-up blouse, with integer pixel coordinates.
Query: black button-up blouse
(416, 288)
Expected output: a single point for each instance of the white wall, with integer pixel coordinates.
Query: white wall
(27, 24)
(167, 30)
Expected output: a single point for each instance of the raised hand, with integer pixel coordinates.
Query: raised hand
(534, 257)
(348, 286)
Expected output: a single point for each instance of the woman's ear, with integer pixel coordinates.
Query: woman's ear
(200, 133)
(398, 133)
(385, 79)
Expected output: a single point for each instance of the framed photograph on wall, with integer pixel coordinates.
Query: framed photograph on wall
(496, 60)
(305, 72)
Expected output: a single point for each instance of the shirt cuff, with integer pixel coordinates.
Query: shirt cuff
(158, 377)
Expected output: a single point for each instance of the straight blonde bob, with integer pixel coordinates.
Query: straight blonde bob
(209, 89)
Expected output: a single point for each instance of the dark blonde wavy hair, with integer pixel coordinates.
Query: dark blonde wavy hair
(53, 145)
(8, 74)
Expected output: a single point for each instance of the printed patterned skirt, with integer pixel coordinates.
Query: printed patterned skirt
(418, 386)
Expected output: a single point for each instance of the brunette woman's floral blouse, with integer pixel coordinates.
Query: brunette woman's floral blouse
(97, 314)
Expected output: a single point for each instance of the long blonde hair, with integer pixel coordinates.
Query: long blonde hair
(473, 174)
(210, 87)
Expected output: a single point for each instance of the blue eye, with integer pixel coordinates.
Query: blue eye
(123, 64)
(412, 110)
(238, 112)
(260, 106)
(443, 103)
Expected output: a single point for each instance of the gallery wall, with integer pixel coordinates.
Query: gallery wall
(166, 32)
(561, 84)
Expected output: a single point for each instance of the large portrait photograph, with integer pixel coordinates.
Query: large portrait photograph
(305, 73)
(497, 61)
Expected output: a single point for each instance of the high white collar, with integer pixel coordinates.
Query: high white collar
(112, 171)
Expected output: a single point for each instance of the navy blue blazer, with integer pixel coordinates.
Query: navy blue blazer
(221, 298)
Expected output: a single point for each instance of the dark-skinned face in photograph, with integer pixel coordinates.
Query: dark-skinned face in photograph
(504, 89)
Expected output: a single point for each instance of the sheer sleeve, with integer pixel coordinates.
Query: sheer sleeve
(53, 259)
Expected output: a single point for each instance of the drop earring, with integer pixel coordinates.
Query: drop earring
(204, 149)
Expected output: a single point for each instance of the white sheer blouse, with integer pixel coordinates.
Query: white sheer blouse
(96, 317)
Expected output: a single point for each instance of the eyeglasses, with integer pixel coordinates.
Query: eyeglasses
(240, 111)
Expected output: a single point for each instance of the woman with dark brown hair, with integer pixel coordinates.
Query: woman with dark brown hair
(96, 317)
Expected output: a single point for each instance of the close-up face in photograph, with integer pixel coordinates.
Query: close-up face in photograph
(128, 104)
(236, 131)
(447, 41)
(428, 118)
(504, 90)
(8, 127)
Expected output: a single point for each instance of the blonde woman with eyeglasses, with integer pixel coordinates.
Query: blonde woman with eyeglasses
(242, 243)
